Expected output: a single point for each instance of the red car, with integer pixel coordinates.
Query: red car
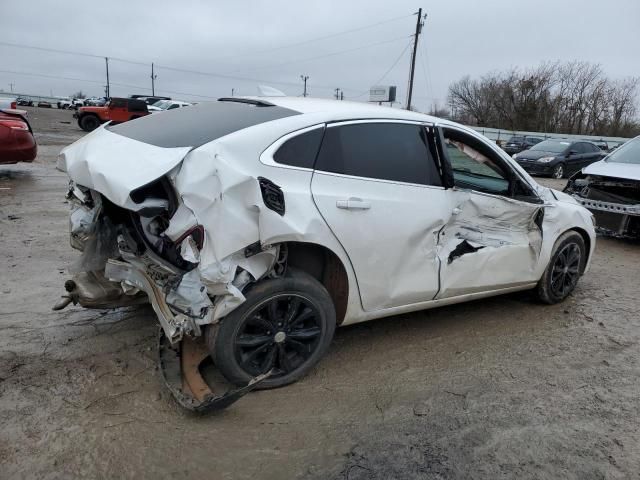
(17, 143)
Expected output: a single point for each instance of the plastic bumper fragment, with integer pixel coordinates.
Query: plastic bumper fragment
(180, 366)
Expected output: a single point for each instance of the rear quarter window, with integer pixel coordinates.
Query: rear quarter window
(301, 150)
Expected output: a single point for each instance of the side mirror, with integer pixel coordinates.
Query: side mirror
(572, 152)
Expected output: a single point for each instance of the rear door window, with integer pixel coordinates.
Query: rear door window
(397, 152)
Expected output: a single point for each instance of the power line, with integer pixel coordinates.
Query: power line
(212, 74)
(317, 39)
(259, 52)
(333, 54)
(384, 75)
(100, 82)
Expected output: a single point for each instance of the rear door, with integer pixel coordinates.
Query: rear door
(593, 154)
(575, 161)
(378, 186)
(493, 239)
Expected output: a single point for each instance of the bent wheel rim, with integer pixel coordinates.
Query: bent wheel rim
(280, 334)
(566, 270)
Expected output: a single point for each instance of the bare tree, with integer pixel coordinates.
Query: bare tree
(573, 97)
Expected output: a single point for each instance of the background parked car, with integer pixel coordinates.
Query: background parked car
(118, 110)
(8, 102)
(25, 102)
(518, 143)
(558, 158)
(17, 143)
(150, 100)
(610, 188)
(96, 101)
(162, 105)
(44, 104)
(64, 103)
(602, 145)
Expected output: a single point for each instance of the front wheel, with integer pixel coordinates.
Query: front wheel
(284, 326)
(558, 171)
(565, 267)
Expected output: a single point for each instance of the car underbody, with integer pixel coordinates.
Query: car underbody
(614, 202)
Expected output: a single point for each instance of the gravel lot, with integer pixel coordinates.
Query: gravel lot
(498, 388)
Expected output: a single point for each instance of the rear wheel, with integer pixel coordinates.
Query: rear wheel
(285, 326)
(558, 171)
(89, 122)
(565, 267)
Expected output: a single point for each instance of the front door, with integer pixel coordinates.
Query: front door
(378, 187)
(493, 238)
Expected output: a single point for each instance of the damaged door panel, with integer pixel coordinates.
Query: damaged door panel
(491, 240)
(489, 243)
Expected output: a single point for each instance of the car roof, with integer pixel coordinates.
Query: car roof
(340, 109)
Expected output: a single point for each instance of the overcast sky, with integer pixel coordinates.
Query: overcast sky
(274, 42)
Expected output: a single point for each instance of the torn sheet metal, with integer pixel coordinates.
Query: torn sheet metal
(486, 231)
(180, 367)
(102, 161)
(215, 191)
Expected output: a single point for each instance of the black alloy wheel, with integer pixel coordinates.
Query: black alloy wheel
(565, 267)
(284, 327)
(279, 335)
(566, 270)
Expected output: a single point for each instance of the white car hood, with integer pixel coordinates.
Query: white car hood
(115, 165)
(603, 168)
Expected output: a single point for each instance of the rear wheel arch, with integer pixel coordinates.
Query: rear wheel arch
(325, 266)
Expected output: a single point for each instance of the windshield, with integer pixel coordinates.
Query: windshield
(553, 146)
(161, 104)
(627, 153)
(516, 140)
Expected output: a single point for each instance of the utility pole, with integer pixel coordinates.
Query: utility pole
(153, 81)
(106, 90)
(233, 91)
(341, 95)
(337, 94)
(11, 86)
(419, 24)
(304, 79)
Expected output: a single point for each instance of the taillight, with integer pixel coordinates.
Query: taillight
(14, 124)
(14, 105)
(196, 233)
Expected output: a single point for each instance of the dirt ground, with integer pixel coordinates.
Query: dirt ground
(498, 388)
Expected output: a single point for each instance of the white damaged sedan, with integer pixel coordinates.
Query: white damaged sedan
(255, 226)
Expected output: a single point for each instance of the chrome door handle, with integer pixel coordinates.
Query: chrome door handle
(353, 204)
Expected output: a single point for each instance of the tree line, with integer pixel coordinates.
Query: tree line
(573, 98)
